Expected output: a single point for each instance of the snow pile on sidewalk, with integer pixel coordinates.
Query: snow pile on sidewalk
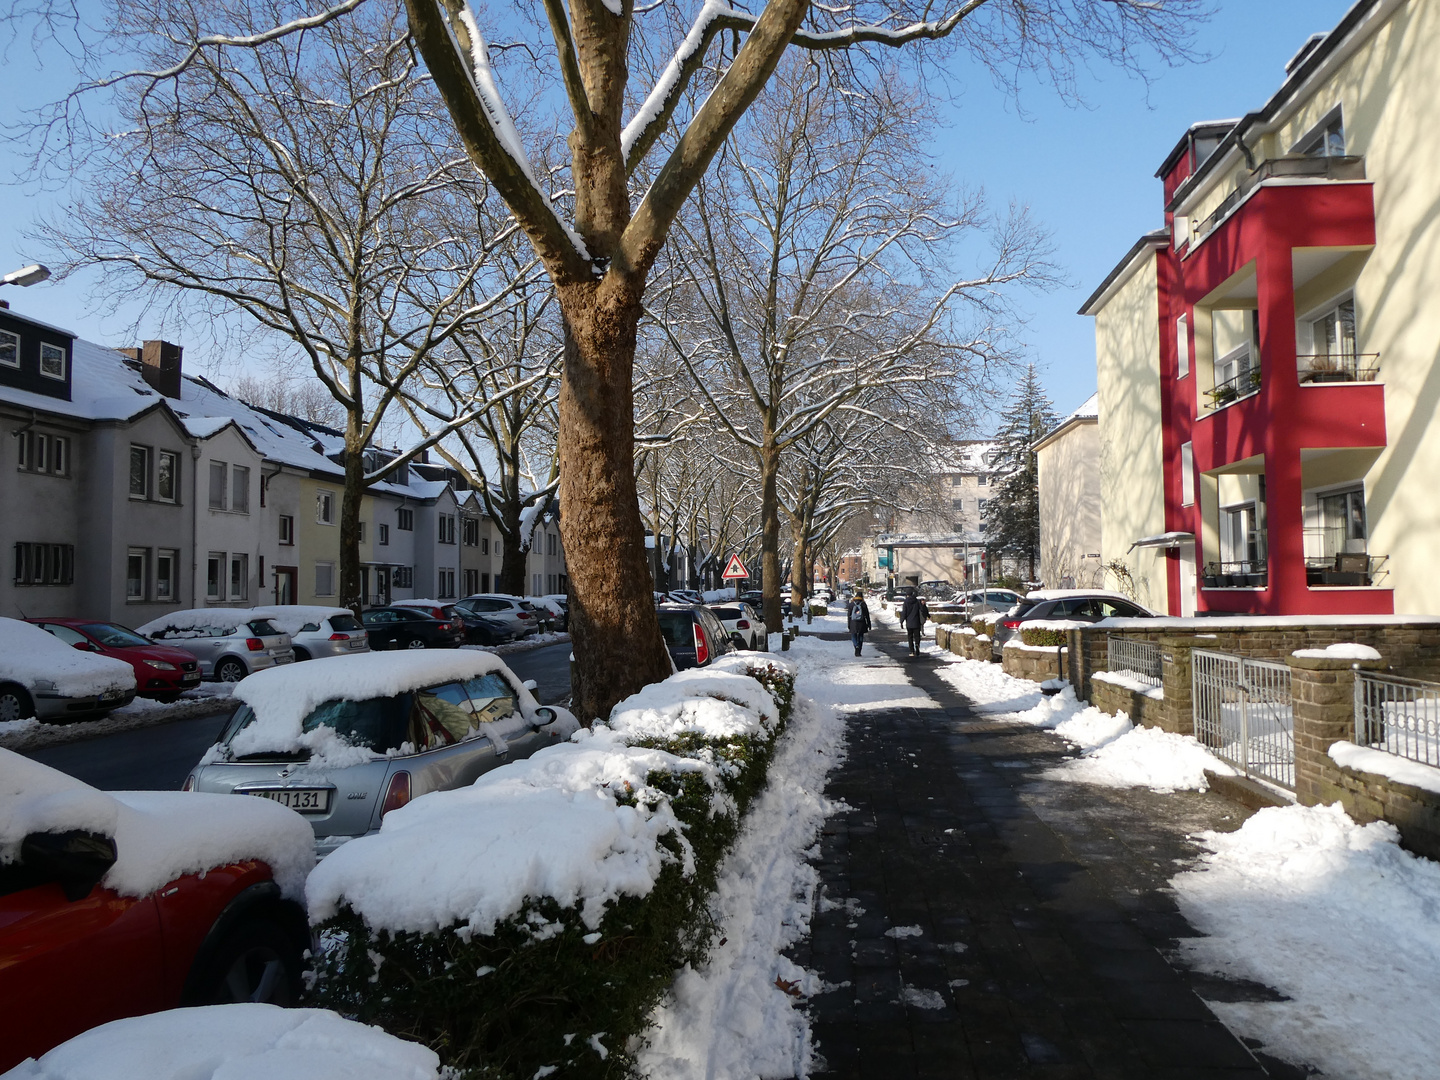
(1337, 917)
(159, 835)
(43, 664)
(231, 1041)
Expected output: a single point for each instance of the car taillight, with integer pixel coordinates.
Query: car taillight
(702, 651)
(742, 624)
(523, 614)
(254, 644)
(1011, 624)
(339, 637)
(189, 784)
(397, 793)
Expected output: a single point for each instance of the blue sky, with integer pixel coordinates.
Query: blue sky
(1085, 171)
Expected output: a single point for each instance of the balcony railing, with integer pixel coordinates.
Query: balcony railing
(1244, 574)
(1342, 569)
(1329, 368)
(1298, 166)
(1241, 386)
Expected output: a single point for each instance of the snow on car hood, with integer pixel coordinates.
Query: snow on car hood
(41, 662)
(282, 697)
(159, 835)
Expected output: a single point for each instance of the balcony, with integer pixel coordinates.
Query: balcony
(1289, 167)
(1243, 385)
(1332, 559)
(1245, 574)
(1338, 368)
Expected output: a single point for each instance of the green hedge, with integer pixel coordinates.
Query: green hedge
(536, 991)
(1036, 636)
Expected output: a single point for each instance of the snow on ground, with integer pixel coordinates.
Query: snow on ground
(226, 1041)
(534, 641)
(832, 675)
(1337, 917)
(1393, 766)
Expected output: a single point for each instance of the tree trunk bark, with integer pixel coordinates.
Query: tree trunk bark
(770, 530)
(352, 495)
(512, 552)
(618, 647)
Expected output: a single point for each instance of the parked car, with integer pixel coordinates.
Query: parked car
(513, 611)
(43, 677)
(983, 601)
(317, 632)
(229, 643)
(478, 629)
(397, 627)
(98, 921)
(754, 597)
(694, 636)
(560, 604)
(161, 671)
(1071, 605)
(686, 596)
(404, 724)
(743, 623)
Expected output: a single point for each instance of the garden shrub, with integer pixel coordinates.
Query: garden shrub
(1035, 635)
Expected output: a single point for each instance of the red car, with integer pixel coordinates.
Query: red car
(161, 671)
(75, 953)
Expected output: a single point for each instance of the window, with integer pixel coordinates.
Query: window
(239, 489)
(37, 452)
(553, 543)
(471, 529)
(1187, 474)
(325, 511)
(405, 520)
(59, 455)
(217, 485)
(214, 568)
(22, 449)
(471, 581)
(981, 506)
(1333, 333)
(52, 361)
(983, 479)
(1182, 347)
(136, 568)
(958, 505)
(446, 584)
(239, 577)
(1342, 516)
(9, 349)
(403, 577)
(167, 477)
(1240, 540)
(446, 527)
(139, 472)
(44, 564)
(324, 579)
(550, 584)
(485, 546)
(1325, 139)
(41, 454)
(484, 582)
(167, 574)
(535, 585)
(287, 530)
(956, 479)
(959, 527)
(383, 535)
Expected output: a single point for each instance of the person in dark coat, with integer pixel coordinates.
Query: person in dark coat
(914, 613)
(857, 614)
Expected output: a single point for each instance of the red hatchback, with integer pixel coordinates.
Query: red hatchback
(161, 671)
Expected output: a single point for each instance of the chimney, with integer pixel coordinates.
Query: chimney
(160, 367)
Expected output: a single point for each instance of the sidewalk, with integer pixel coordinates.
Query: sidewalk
(978, 921)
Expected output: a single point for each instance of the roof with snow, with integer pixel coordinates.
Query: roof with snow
(1087, 413)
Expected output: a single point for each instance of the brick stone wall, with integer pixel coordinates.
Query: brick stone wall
(1035, 665)
(1142, 709)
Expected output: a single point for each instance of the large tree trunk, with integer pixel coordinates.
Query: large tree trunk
(770, 530)
(513, 550)
(352, 495)
(618, 647)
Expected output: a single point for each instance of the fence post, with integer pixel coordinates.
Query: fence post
(1178, 708)
(1322, 693)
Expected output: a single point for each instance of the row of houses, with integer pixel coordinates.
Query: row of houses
(1264, 437)
(131, 488)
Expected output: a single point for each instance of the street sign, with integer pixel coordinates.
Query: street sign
(735, 569)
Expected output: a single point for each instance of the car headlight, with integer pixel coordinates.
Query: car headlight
(45, 684)
(161, 665)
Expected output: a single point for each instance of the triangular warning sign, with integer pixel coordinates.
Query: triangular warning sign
(735, 569)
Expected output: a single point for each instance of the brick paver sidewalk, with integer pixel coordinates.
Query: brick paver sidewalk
(988, 923)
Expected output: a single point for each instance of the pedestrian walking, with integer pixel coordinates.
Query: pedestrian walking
(914, 613)
(857, 614)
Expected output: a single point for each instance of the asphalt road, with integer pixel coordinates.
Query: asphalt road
(159, 758)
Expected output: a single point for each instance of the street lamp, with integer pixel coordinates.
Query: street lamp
(26, 275)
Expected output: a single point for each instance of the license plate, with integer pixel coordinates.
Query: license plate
(305, 800)
(111, 695)
(357, 643)
(284, 659)
(193, 676)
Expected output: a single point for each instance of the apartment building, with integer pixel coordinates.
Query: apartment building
(1068, 468)
(1266, 360)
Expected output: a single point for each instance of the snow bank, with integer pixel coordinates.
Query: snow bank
(1344, 650)
(227, 1042)
(1392, 766)
(159, 835)
(42, 663)
(282, 697)
(1337, 917)
(708, 701)
(289, 618)
(553, 825)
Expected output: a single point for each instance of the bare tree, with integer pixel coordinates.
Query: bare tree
(280, 391)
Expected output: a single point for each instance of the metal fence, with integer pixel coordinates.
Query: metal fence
(1138, 658)
(1244, 715)
(1401, 716)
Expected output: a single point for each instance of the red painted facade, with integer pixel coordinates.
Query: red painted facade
(1284, 417)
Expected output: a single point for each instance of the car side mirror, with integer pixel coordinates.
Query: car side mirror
(530, 684)
(544, 716)
(84, 646)
(76, 860)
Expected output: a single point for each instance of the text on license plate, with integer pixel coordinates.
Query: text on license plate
(357, 643)
(305, 800)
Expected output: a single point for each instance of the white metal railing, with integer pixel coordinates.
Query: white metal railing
(1398, 715)
(1138, 658)
(1243, 713)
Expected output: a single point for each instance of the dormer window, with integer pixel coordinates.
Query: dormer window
(52, 361)
(9, 349)
(1325, 139)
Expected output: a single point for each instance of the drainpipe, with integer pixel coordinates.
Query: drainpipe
(194, 520)
(265, 486)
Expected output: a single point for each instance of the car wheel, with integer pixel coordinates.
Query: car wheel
(15, 703)
(257, 962)
(301, 654)
(415, 643)
(231, 671)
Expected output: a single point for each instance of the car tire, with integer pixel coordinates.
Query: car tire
(15, 702)
(301, 654)
(229, 671)
(415, 643)
(256, 962)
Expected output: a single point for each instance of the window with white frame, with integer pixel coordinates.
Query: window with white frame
(1240, 537)
(1182, 347)
(382, 534)
(167, 476)
(471, 532)
(53, 360)
(287, 530)
(446, 583)
(446, 528)
(239, 489)
(9, 349)
(405, 519)
(167, 575)
(1187, 474)
(1325, 139)
(215, 576)
(239, 576)
(44, 564)
(361, 526)
(325, 511)
(137, 566)
(324, 579)
(38, 452)
(535, 585)
(485, 545)
(1332, 332)
(217, 485)
(553, 543)
(139, 472)
(471, 579)
(403, 577)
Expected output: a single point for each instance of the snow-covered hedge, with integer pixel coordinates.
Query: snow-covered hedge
(527, 925)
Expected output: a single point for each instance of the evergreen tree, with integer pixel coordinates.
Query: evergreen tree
(1012, 515)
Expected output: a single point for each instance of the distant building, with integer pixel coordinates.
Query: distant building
(1068, 462)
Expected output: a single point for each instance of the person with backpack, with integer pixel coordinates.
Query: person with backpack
(914, 614)
(857, 615)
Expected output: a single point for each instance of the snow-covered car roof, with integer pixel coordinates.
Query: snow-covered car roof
(217, 618)
(159, 835)
(421, 603)
(289, 618)
(283, 696)
(1066, 594)
(33, 658)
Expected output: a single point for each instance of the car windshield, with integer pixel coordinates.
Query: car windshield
(379, 724)
(114, 637)
(728, 613)
(344, 622)
(263, 628)
(678, 629)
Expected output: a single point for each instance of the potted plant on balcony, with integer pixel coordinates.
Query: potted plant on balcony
(1325, 368)
(1222, 395)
